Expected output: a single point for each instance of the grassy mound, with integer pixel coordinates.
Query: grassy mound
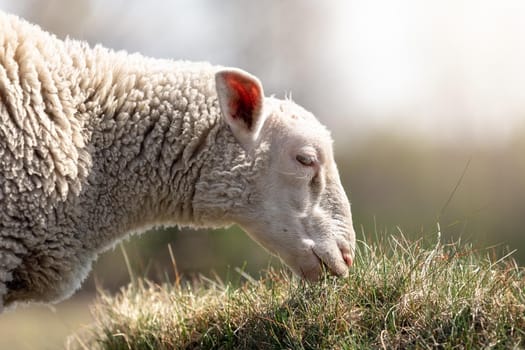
(400, 294)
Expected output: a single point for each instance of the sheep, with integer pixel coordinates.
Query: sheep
(97, 144)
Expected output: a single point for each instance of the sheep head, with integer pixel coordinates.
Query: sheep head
(298, 208)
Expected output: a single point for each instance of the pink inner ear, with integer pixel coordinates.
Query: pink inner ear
(245, 101)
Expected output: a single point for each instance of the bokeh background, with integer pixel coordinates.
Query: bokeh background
(426, 101)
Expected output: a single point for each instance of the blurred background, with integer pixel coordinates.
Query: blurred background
(426, 102)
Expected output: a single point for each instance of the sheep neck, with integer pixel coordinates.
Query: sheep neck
(152, 127)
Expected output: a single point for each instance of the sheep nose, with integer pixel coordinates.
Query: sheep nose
(346, 252)
(348, 259)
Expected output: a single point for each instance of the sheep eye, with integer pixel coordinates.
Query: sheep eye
(305, 160)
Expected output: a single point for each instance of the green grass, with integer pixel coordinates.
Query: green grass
(400, 294)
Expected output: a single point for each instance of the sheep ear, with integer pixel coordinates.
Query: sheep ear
(241, 100)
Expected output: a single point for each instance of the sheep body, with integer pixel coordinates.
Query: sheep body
(95, 144)
(69, 116)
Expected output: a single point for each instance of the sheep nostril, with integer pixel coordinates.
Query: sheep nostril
(348, 259)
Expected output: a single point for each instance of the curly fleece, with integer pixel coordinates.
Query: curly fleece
(95, 144)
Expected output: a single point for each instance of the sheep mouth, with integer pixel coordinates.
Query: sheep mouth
(325, 267)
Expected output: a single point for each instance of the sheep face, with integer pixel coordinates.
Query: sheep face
(298, 208)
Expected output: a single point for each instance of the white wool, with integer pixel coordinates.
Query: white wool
(95, 144)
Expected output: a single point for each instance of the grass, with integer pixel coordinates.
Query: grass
(400, 294)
